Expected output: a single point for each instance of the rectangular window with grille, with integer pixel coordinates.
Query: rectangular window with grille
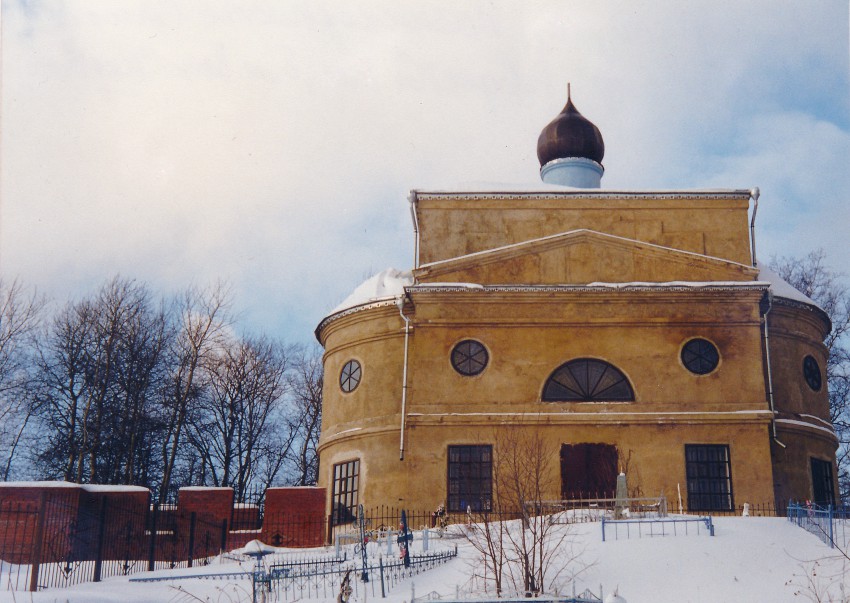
(709, 473)
(823, 489)
(345, 486)
(470, 478)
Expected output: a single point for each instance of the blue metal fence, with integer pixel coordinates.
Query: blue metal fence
(827, 523)
(667, 526)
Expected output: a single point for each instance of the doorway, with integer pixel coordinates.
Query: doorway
(588, 471)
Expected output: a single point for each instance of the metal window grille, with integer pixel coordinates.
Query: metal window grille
(709, 477)
(346, 484)
(587, 380)
(469, 357)
(700, 356)
(823, 489)
(470, 478)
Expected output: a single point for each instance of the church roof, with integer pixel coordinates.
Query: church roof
(386, 284)
(570, 134)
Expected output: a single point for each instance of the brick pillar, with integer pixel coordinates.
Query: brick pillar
(294, 517)
(214, 504)
(211, 508)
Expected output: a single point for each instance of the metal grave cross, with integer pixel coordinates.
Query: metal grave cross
(404, 539)
(364, 577)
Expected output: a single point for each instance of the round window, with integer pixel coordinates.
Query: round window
(811, 372)
(469, 357)
(349, 378)
(700, 356)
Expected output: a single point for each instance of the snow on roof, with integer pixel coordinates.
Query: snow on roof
(255, 548)
(108, 488)
(386, 284)
(85, 487)
(391, 282)
(782, 288)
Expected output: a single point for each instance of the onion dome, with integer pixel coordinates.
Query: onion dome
(570, 134)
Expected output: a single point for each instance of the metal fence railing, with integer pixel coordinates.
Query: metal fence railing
(60, 540)
(596, 509)
(657, 526)
(831, 523)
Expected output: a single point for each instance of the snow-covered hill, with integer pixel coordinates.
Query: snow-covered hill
(750, 559)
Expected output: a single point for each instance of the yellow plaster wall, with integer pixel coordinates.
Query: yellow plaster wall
(792, 462)
(795, 333)
(641, 334)
(528, 337)
(584, 260)
(656, 458)
(529, 333)
(452, 226)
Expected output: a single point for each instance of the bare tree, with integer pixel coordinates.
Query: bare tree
(814, 278)
(240, 410)
(305, 415)
(540, 547)
(99, 368)
(20, 314)
(202, 318)
(534, 553)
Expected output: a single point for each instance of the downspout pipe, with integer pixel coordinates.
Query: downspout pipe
(765, 307)
(411, 198)
(754, 195)
(400, 304)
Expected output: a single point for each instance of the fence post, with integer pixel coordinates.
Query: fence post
(381, 565)
(101, 532)
(39, 537)
(603, 529)
(152, 547)
(223, 536)
(192, 518)
(831, 541)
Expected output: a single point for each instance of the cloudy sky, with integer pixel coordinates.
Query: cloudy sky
(272, 144)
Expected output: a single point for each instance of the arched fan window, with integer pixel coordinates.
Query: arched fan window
(587, 380)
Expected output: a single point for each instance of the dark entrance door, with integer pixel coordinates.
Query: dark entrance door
(588, 471)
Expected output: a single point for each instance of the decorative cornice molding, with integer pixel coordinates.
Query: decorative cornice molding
(727, 287)
(628, 287)
(584, 194)
(390, 301)
(798, 305)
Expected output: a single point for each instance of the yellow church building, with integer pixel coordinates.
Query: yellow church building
(624, 330)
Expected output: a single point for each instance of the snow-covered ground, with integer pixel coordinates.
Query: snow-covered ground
(750, 559)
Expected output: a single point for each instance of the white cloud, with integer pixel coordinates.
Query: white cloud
(272, 144)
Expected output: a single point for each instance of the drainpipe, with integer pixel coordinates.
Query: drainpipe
(400, 303)
(754, 195)
(412, 200)
(765, 307)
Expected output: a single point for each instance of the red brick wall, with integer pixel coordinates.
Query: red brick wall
(294, 517)
(124, 531)
(215, 504)
(20, 509)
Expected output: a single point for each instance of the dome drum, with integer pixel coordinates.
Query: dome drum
(577, 172)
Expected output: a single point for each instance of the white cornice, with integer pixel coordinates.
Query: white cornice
(476, 195)
(677, 286)
(683, 286)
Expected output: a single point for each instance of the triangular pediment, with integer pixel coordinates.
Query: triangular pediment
(582, 257)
